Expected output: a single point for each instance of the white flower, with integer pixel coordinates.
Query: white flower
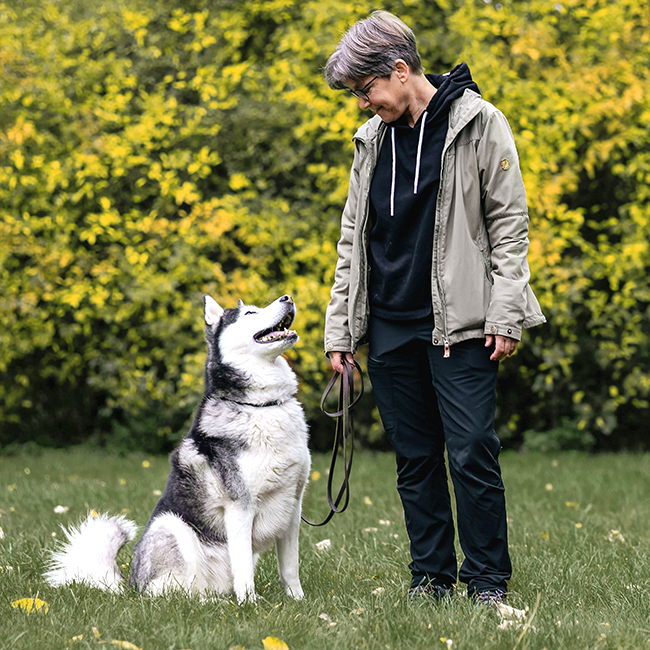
(384, 522)
(61, 510)
(2, 534)
(157, 493)
(324, 544)
(378, 592)
(372, 529)
(327, 619)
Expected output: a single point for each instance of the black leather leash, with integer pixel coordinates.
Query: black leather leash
(344, 430)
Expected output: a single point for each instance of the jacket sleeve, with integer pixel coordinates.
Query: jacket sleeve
(506, 219)
(337, 328)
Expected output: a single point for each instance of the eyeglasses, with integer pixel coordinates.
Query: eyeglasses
(363, 92)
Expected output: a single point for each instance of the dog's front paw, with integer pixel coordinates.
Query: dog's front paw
(246, 595)
(295, 591)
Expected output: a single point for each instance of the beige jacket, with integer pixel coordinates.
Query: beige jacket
(479, 273)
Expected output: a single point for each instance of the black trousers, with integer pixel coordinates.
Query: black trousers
(425, 403)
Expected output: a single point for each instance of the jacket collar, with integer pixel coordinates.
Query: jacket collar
(462, 111)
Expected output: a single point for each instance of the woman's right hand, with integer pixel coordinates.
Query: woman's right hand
(337, 359)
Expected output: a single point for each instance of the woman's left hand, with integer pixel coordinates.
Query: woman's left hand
(504, 346)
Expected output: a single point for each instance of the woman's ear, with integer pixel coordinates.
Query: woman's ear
(402, 69)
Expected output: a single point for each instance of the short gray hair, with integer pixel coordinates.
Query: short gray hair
(371, 47)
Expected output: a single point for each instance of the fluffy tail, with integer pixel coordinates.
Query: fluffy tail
(90, 553)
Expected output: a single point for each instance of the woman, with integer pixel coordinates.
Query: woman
(432, 273)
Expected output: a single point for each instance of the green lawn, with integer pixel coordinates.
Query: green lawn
(579, 536)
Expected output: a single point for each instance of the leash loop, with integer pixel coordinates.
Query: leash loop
(344, 430)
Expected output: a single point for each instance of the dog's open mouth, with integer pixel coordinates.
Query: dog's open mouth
(277, 332)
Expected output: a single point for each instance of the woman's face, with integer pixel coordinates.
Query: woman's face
(385, 96)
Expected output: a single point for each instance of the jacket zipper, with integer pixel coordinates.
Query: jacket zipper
(445, 340)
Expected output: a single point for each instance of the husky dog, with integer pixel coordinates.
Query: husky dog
(237, 478)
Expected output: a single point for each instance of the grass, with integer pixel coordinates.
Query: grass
(579, 536)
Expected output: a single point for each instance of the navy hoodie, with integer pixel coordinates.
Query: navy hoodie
(403, 197)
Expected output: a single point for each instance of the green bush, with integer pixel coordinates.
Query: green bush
(153, 152)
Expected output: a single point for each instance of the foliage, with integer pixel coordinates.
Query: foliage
(151, 152)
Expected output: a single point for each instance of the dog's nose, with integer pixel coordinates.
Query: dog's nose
(286, 298)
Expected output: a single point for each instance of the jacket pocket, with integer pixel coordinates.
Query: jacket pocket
(486, 268)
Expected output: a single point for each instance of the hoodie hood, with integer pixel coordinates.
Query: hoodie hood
(449, 87)
(403, 197)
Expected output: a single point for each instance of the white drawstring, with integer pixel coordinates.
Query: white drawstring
(417, 160)
(392, 182)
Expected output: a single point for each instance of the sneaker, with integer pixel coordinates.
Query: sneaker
(490, 596)
(429, 591)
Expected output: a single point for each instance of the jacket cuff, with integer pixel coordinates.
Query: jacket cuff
(499, 329)
(337, 345)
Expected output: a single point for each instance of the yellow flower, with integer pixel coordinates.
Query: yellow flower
(272, 643)
(549, 486)
(367, 501)
(571, 504)
(29, 605)
(121, 481)
(315, 475)
(544, 535)
(578, 525)
(145, 463)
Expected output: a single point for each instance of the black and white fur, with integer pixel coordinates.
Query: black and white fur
(236, 481)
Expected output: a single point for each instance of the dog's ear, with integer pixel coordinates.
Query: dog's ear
(213, 312)
(240, 303)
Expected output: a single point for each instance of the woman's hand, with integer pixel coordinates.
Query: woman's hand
(337, 359)
(504, 346)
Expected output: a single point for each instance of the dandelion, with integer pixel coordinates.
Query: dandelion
(121, 481)
(379, 591)
(324, 544)
(273, 643)
(12, 488)
(146, 463)
(571, 504)
(28, 605)
(61, 510)
(549, 487)
(544, 535)
(578, 525)
(555, 463)
(27, 471)
(367, 501)
(315, 475)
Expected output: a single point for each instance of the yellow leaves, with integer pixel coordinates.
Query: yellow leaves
(126, 645)
(29, 605)
(238, 182)
(273, 643)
